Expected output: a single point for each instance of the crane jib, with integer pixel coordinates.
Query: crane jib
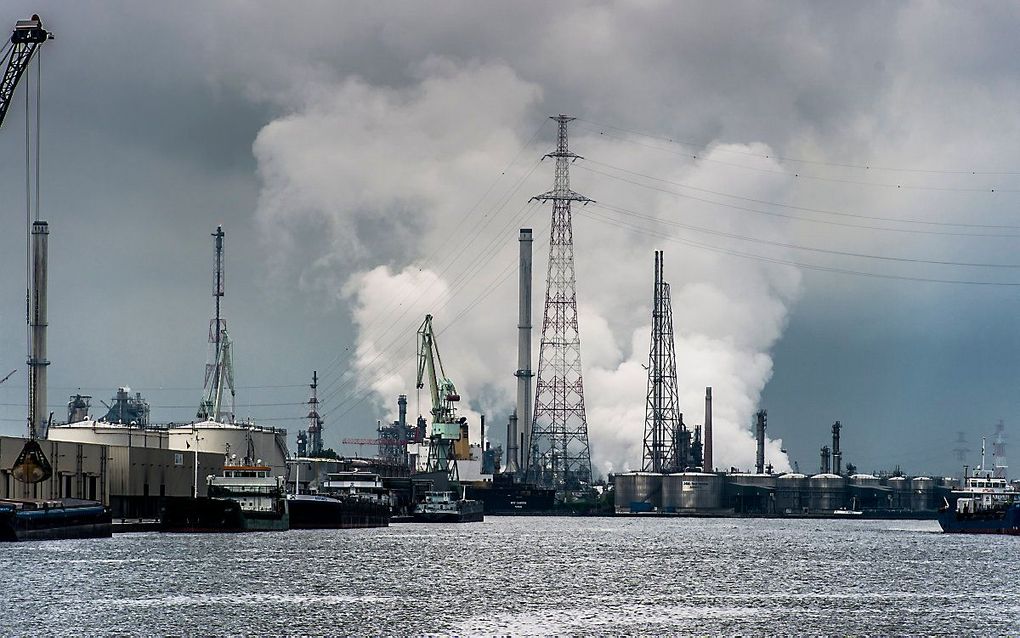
(27, 36)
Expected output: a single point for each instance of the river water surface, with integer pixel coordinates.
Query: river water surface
(524, 576)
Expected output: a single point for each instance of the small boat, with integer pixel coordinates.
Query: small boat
(245, 498)
(847, 512)
(987, 504)
(851, 511)
(445, 507)
(33, 520)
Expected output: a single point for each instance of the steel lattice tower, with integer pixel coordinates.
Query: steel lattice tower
(559, 455)
(662, 416)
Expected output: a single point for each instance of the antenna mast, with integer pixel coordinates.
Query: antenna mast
(219, 373)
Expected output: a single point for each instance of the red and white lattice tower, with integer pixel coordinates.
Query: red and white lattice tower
(558, 443)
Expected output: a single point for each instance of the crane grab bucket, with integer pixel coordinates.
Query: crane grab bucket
(31, 465)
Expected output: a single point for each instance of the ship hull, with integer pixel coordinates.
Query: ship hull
(1002, 522)
(467, 512)
(65, 520)
(331, 513)
(514, 499)
(216, 515)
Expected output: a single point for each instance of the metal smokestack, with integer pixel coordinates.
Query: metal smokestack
(759, 436)
(837, 455)
(37, 361)
(402, 411)
(709, 461)
(523, 374)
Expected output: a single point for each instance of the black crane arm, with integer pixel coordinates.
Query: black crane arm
(27, 36)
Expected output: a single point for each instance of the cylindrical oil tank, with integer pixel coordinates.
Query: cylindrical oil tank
(638, 492)
(751, 493)
(672, 487)
(921, 490)
(700, 491)
(864, 480)
(624, 491)
(867, 493)
(899, 496)
(791, 493)
(827, 492)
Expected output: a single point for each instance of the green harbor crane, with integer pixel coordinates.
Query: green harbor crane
(446, 427)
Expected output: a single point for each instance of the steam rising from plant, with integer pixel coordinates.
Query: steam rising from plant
(385, 183)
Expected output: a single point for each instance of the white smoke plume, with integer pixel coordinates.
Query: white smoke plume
(385, 182)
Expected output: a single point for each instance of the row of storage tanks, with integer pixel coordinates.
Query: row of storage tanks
(790, 493)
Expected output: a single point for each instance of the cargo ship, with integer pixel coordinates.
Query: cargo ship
(348, 500)
(505, 496)
(33, 520)
(445, 507)
(986, 505)
(246, 498)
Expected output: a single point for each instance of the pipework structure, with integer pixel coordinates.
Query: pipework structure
(664, 429)
(837, 454)
(761, 422)
(559, 455)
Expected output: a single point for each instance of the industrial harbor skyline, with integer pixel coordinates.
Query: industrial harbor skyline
(812, 233)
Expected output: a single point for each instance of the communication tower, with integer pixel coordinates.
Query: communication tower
(219, 372)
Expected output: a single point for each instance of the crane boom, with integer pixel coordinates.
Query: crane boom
(27, 36)
(446, 428)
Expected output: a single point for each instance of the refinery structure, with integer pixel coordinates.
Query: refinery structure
(542, 466)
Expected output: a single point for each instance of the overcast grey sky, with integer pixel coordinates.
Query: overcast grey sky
(344, 148)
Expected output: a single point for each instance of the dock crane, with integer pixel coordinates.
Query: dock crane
(27, 36)
(446, 427)
(31, 466)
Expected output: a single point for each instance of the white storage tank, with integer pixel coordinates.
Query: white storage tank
(637, 492)
(791, 493)
(827, 492)
(699, 490)
(624, 491)
(900, 492)
(921, 490)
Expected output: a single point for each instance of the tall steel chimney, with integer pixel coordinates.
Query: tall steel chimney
(37, 362)
(837, 455)
(709, 461)
(759, 436)
(524, 374)
(402, 412)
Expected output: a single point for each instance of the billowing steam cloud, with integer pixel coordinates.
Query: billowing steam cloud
(386, 183)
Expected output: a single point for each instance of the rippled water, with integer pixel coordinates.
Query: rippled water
(574, 576)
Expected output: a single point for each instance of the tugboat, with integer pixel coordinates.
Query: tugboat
(246, 498)
(986, 505)
(349, 500)
(444, 507)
